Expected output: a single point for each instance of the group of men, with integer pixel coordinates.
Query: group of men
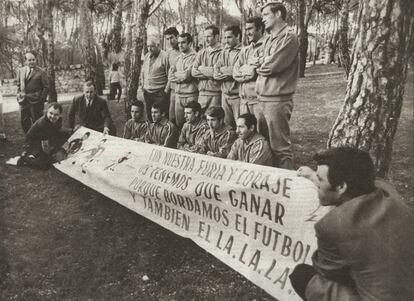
(258, 79)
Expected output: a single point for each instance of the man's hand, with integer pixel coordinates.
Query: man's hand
(308, 173)
(106, 131)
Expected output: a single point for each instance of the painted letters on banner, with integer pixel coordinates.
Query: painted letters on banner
(256, 219)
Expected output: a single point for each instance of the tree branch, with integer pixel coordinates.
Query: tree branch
(155, 8)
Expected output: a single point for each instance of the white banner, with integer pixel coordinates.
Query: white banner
(256, 219)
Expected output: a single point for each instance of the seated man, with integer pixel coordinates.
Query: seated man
(92, 111)
(136, 127)
(250, 146)
(161, 131)
(218, 140)
(194, 129)
(45, 139)
(366, 243)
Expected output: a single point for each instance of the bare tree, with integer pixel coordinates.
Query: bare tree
(373, 101)
(343, 37)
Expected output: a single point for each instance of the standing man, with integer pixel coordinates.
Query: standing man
(244, 70)
(136, 128)
(171, 35)
(154, 76)
(250, 147)
(223, 72)
(186, 88)
(92, 111)
(32, 91)
(218, 140)
(276, 82)
(161, 131)
(194, 129)
(365, 243)
(209, 89)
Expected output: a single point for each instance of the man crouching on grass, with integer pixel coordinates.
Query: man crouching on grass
(45, 139)
(366, 243)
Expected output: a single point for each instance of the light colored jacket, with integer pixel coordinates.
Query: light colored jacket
(368, 241)
(254, 150)
(224, 66)
(207, 57)
(180, 74)
(162, 133)
(278, 74)
(192, 135)
(154, 74)
(218, 143)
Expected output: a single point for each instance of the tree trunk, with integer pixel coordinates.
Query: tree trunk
(303, 38)
(50, 46)
(373, 101)
(142, 13)
(87, 42)
(343, 37)
(117, 29)
(100, 71)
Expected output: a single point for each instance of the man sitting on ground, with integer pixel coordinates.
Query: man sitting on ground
(194, 129)
(161, 131)
(366, 243)
(250, 146)
(45, 139)
(218, 140)
(136, 128)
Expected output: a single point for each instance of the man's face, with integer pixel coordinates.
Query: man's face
(137, 113)
(327, 194)
(156, 115)
(253, 34)
(89, 92)
(53, 115)
(270, 19)
(210, 38)
(153, 48)
(183, 45)
(172, 40)
(242, 130)
(230, 39)
(189, 115)
(30, 60)
(213, 122)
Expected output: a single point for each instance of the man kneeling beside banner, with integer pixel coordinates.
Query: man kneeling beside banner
(256, 219)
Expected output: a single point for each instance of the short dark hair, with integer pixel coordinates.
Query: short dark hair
(89, 83)
(275, 7)
(249, 120)
(195, 106)
(258, 23)
(187, 36)
(171, 30)
(234, 29)
(213, 28)
(216, 112)
(56, 106)
(160, 106)
(138, 104)
(351, 166)
(114, 67)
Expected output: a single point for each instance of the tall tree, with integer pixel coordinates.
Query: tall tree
(374, 95)
(343, 37)
(305, 9)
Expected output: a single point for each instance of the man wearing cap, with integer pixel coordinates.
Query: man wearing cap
(276, 82)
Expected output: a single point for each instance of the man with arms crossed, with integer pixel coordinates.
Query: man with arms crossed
(223, 72)
(194, 129)
(250, 147)
(161, 131)
(171, 35)
(136, 128)
(366, 242)
(209, 89)
(276, 82)
(218, 140)
(186, 86)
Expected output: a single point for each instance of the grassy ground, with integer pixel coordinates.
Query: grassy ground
(63, 241)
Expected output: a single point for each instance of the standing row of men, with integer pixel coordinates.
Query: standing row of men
(258, 79)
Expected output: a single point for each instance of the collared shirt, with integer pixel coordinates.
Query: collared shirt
(224, 66)
(255, 150)
(245, 73)
(218, 143)
(154, 73)
(136, 130)
(162, 133)
(192, 134)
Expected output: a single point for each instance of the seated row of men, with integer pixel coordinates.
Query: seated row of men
(210, 136)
